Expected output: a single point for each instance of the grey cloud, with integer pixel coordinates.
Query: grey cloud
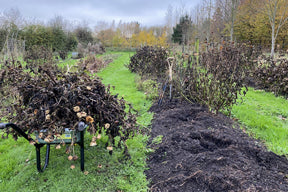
(147, 12)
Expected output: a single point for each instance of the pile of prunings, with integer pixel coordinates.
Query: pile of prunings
(272, 75)
(149, 61)
(95, 48)
(50, 100)
(93, 64)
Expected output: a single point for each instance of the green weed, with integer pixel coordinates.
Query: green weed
(157, 140)
(149, 87)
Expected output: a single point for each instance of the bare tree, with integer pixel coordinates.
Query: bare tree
(59, 22)
(196, 17)
(208, 6)
(217, 24)
(101, 26)
(230, 8)
(169, 21)
(11, 21)
(11, 17)
(276, 10)
(201, 16)
(234, 6)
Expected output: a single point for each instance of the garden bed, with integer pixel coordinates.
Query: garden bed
(201, 151)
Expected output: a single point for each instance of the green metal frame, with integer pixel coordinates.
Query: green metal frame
(78, 135)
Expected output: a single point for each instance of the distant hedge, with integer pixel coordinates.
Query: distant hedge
(273, 76)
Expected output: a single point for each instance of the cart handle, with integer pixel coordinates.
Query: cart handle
(3, 125)
(16, 128)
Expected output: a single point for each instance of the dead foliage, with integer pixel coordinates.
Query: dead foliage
(149, 61)
(219, 76)
(93, 64)
(272, 75)
(47, 99)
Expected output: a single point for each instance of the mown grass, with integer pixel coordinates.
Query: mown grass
(124, 82)
(265, 116)
(105, 172)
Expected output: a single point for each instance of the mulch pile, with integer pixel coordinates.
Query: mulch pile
(201, 151)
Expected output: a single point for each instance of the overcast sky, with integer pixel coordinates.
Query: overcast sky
(147, 12)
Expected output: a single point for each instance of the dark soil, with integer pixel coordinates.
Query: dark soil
(203, 152)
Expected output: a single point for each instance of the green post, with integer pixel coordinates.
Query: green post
(197, 42)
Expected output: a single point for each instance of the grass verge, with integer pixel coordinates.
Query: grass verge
(104, 172)
(124, 81)
(265, 117)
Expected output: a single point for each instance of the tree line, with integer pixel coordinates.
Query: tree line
(57, 34)
(261, 22)
(130, 34)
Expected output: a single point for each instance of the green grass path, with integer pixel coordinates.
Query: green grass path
(106, 173)
(116, 74)
(265, 117)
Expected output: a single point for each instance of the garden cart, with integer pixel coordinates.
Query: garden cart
(69, 136)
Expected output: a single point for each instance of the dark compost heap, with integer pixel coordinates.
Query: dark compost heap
(201, 151)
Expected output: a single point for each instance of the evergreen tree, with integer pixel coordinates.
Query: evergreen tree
(84, 35)
(181, 33)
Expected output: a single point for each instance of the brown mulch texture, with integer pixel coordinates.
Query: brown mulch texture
(205, 152)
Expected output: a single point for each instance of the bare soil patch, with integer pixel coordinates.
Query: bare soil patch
(203, 152)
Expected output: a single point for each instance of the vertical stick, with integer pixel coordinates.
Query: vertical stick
(170, 65)
(197, 44)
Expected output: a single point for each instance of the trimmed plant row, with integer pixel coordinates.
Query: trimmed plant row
(272, 75)
(214, 78)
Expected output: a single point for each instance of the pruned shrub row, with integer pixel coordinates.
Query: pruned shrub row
(272, 76)
(149, 61)
(38, 55)
(90, 49)
(219, 76)
(213, 78)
